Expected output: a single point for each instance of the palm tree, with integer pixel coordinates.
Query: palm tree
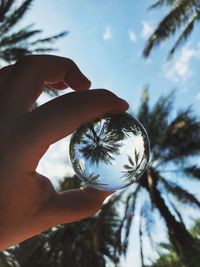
(167, 255)
(16, 43)
(8, 259)
(133, 169)
(173, 144)
(169, 259)
(89, 242)
(183, 15)
(98, 141)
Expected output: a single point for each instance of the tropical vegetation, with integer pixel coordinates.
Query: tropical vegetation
(167, 255)
(175, 146)
(90, 242)
(174, 142)
(16, 42)
(182, 18)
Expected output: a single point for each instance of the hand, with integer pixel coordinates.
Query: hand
(29, 203)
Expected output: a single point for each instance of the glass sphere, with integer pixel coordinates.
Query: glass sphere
(110, 153)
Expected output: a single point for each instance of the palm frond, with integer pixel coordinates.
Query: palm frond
(7, 259)
(43, 49)
(156, 122)
(129, 216)
(179, 15)
(181, 194)
(50, 39)
(16, 44)
(184, 35)
(119, 249)
(141, 241)
(194, 171)
(4, 8)
(160, 3)
(177, 212)
(195, 230)
(17, 37)
(166, 246)
(15, 16)
(115, 199)
(106, 227)
(143, 111)
(148, 216)
(158, 118)
(182, 138)
(133, 171)
(14, 53)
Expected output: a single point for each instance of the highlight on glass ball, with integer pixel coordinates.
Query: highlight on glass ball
(110, 153)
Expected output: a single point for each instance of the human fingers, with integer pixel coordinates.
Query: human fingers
(63, 115)
(3, 73)
(58, 85)
(26, 80)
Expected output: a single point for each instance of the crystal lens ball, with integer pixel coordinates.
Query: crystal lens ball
(110, 153)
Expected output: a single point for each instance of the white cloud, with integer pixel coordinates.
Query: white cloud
(132, 36)
(55, 164)
(147, 29)
(107, 35)
(179, 69)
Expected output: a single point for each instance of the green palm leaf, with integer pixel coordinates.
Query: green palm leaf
(129, 216)
(17, 37)
(194, 171)
(184, 34)
(182, 138)
(141, 241)
(177, 212)
(143, 111)
(181, 194)
(149, 222)
(158, 119)
(4, 8)
(16, 44)
(15, 16)
(195, 230)
(10, 54)
(8, 260)
(50, 39)
(42, 50)
(160, 3)
(180, 13)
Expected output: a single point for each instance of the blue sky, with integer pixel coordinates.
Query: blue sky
(106, 39)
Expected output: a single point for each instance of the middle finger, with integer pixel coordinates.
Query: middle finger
(26, 80)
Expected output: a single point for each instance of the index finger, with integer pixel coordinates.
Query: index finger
(26, 80)
(61, 116)
(4, 73)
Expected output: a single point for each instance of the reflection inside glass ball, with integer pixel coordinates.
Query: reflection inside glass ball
(110, 153)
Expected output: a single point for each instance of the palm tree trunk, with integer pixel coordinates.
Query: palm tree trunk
(183, 242)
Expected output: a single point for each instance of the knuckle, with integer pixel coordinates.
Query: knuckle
(107, 95)
(70, 64)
